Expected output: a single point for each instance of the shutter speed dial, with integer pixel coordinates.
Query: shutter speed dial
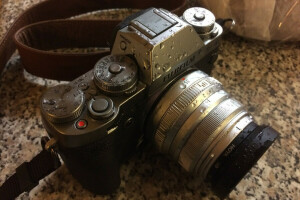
(62, 103)
(115, 74)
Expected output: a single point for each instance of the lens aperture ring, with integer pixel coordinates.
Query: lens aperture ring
(177, 124)
(177, 107)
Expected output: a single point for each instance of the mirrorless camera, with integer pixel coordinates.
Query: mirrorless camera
(154, 87)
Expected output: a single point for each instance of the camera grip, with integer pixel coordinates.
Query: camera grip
(95, 165)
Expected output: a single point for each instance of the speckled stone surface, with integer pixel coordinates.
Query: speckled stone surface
(265, 77)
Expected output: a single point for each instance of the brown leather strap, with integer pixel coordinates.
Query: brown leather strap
(43, 27)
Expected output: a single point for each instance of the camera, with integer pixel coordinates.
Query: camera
(154, 88)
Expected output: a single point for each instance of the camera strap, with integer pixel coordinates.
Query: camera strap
(28, 174)
(43, 27)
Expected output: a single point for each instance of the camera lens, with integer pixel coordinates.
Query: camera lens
(208, 132)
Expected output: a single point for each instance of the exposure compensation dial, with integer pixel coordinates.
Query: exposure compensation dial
(62, 103)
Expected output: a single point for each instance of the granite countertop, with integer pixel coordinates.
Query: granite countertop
(265, 77)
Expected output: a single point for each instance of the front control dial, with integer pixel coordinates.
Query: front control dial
(115, 74)
(62, 103)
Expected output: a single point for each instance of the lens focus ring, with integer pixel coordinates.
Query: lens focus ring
(206, 132)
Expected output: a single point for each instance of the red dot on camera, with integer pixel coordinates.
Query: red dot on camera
(183, 79)
(81, 124)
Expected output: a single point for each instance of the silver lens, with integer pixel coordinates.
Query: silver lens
(196, 120)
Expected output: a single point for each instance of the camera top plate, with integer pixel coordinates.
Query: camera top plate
(163, 45)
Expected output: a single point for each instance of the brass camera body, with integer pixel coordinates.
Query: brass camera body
(100, 118)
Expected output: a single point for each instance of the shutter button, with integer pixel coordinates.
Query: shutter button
(100, 107)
